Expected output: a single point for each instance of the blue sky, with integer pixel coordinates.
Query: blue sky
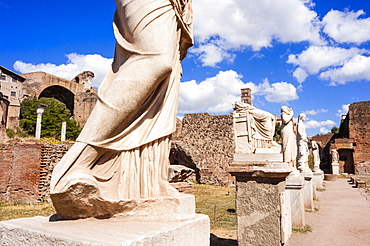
(313, 56)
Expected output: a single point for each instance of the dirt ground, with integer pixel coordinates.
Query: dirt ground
(342, 219)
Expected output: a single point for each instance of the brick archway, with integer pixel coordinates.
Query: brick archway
(60, 93)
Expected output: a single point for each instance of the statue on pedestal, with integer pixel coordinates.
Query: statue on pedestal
(254, 128)
(289, 142)
(334, 156)
(122, 153)
(316, 156)
(302, 142)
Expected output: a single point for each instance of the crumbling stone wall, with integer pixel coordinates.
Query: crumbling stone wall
(26, 170)
(206, 144)
(84, 103)
(359, 134)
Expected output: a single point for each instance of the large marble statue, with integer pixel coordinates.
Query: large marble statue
(254, 128)
(302, 142)
(315, 156)
(122, 152)
(288, 136)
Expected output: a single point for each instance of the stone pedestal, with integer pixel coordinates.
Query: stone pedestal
(308, 191)
(261, 204)
(335, 168)
(42, 231)
(294, 187)
(318, 179)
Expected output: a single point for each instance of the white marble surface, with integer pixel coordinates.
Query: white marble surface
(37, 231)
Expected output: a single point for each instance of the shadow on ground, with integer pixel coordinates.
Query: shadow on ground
(218, 241)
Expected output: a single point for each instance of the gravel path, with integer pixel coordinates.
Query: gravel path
(342, 219)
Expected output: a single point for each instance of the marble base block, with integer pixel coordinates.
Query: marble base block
(308, 191)
(335, 168)
(318, 179)
(42, 231)
(294, 188)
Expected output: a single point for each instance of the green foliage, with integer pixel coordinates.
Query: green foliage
(334, 130)
(310, 162)
(277, 134)
(305, 229)
(54, 114)
(11, 133)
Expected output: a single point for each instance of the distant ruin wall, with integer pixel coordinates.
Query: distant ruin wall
(359, 133)
(26, 170)
(84, 103)
(206, 144)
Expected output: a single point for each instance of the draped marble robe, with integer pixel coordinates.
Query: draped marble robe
(302, 143)
(289, 142)
(122, 152)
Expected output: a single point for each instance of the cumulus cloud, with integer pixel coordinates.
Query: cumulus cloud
(76, 64)
(324, 130)
(347, 27)
(236, 24)
(300, 74)
(211, 54)
(315, 111)
(316, 58)
(338, 65)
(357, 68)
(213, 95)
(343, 110)
(280, 92)
(218, 93)
(317, 124)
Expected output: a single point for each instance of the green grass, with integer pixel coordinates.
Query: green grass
(15, 210)
(305, 229)
(218, 202)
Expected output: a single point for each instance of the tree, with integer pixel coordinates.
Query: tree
(334, 130)
(54, 114)
(277, 134)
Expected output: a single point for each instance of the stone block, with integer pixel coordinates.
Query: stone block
(308, 191)
(43, 231)
(294, 187)
(258, 209)
(318, 179)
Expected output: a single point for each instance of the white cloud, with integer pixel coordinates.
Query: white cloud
(316, 124)
(356, 68)
(281, 92)
(217, 94)
(211, 54)
(76, 64)
(300, 74)
(235, 24)
(213, 95)
(316, 58)
(324, 130)
(315, 112)
(343, 110)
(347, 27)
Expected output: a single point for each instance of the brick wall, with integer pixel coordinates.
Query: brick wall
(26, 170)
(359, 132)
(206, 144)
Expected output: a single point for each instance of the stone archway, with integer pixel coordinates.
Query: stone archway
(60, 93)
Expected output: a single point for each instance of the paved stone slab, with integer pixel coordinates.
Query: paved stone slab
(40, 231)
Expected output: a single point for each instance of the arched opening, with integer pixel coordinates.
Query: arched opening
(60, 93)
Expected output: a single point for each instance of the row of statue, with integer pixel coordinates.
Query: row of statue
(255, 128)
(293, 144)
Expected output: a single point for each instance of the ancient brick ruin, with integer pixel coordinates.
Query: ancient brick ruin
(352, 141)
(205, 143)
(359, 134)
(26, 170)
